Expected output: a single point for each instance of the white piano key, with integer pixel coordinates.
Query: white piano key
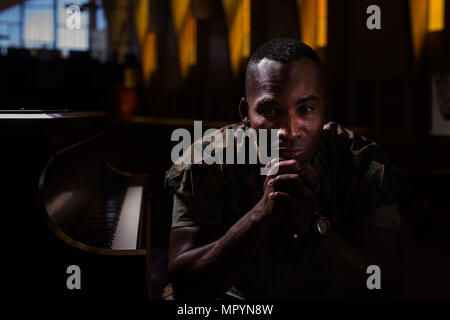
(126, 234)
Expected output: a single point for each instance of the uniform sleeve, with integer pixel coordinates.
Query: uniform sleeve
(196, 195)
(378, 193)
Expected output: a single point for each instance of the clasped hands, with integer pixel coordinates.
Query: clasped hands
(292, 187)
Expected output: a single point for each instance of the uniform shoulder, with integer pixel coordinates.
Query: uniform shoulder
(185, 165)
(341, 142)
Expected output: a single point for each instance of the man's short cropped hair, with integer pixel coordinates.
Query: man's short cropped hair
(284, 51)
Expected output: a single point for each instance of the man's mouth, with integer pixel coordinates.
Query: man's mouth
(290, 152)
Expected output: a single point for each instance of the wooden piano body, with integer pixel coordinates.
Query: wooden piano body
(63, 204)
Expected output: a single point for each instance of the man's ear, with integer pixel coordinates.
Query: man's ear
(243, 111)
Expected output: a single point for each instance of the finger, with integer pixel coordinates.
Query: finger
(284, 166)
(274, 160)
(287, 179)
(279, 195)
(288, 183)
(291, 183)
(269, 168)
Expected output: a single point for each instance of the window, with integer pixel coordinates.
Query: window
(10, 27)
(76, 39)
(43, 24)
(38, 24)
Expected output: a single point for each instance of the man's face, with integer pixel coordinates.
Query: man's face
(288, 97)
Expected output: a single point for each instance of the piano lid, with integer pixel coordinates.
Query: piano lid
(49, 114)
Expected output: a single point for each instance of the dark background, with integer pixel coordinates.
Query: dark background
(380, 84)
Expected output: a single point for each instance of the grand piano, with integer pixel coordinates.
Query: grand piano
(63, 204)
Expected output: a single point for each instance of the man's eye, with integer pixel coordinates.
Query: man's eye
(267, 110)
(306, 109)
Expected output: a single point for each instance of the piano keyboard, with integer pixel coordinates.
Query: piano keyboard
(112, 221)
(127, 229)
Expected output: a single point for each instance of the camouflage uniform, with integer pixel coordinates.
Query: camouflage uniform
(358, 187)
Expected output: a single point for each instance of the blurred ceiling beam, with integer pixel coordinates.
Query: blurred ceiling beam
(186, 30)
(238, 18)
(427, 17)
(313, 31)
(308, 31)
(436, 15)
(322, 20)
(147, 36)
(418, 17)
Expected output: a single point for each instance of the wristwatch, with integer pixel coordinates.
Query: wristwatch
(320, 228)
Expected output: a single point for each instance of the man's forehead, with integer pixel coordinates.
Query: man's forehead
(267, 68)
(268, 65)
(271, 75)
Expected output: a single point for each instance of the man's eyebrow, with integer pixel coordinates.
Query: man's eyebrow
(267, 100)
(307, 99)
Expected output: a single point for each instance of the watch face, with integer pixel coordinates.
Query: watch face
(322, 225)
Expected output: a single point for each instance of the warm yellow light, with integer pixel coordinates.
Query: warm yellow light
(186, 30)
(142, 19)
(313, 16)
(147, 39)
(149, 56)
(246, 28)
(417, 11)
(188, 45)
(321, 35)
(238, 17)
(436, 15)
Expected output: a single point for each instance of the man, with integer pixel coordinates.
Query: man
(326, 211)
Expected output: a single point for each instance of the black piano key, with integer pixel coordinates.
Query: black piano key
(98, 225)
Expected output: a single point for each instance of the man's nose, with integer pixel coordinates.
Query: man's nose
(289, 129)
